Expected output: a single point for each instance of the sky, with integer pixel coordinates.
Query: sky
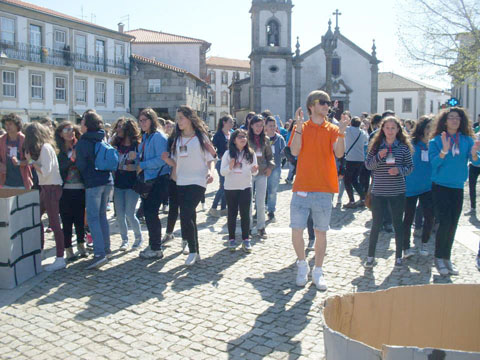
(226, 24)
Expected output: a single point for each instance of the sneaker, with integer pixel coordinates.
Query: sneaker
(311, 244)
(408, 253)
(69, 254)
(441, 268)
(58, 264)
(124, 245)
(247, 246)
(165, 209)
(144, 250)
(223, 212)
(271, 217)
(423, 249)
(478, 262)
(192, 259)
(350, 205)
(302, 273)
(471, 212)
(137, 244)
(452, 269)
(185, 250)
(388, 228)
(262, 233)
(232, 244)
(398, 263)
(82, 251)
(318, 279)
(213, 213)
(97, 262)
(167, 238)
(369, 263)
(151, 254)
(359, 203)
(417, 233)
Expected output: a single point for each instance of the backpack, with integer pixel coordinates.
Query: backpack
(106, 157)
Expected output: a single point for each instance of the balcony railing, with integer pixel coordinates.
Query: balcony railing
(65, 57)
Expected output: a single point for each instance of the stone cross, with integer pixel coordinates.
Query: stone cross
(336, 13)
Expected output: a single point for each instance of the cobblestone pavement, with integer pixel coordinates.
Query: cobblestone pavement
(229, 305)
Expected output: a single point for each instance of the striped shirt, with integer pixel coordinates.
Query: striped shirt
(385, 184)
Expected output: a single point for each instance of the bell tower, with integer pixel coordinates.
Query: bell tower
(271, 57)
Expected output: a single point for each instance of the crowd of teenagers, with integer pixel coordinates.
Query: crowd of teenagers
(404, 171)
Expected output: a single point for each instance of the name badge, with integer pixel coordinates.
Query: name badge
(424, 155)
(183, 151)
(390, 159)
(13, 152)
(70, 153)
(302, 194)
(258, 153)
(273, 149)
(237, 168)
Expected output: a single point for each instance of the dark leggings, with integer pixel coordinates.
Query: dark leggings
(151, 205)
(188, 198)
(72, 212)
(473, 172)
(364, 178)
(448, 204)
(173, 208)
(238, 200)
(426, 201)
(380, 205)
(352, 173)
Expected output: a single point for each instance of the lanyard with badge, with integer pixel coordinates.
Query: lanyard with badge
(390, 157)
(424, 153)
(273, 144)
(258, 152)
(183, 152)
(455, 146)
(237, 167)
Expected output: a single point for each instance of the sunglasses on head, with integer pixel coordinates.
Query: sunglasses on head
(322, 102)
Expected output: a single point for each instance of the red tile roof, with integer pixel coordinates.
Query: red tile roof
(56, 13)
(143, 36)
(213, 61)
(165, 66)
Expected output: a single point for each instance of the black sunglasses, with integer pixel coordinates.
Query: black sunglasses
(323, 102)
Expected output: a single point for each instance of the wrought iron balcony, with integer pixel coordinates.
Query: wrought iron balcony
(64, 57)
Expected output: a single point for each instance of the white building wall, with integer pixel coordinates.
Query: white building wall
(282, 19)
(312, 75)
(398, 96)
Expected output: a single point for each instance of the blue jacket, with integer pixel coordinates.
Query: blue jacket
(85, 160)
(420, 180)
(451, 171)
(278, 143)
(220, 142)
(151, 162)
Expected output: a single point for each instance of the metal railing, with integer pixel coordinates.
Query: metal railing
(64, 57)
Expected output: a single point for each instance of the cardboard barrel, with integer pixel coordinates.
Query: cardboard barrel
(427, 322)
(20, 243)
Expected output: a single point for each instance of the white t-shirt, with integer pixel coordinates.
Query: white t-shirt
(192, 168)
(50, 173)
(237, 178)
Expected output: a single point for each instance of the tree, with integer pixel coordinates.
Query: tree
(442, 33)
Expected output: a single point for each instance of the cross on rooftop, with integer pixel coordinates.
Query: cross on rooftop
(337, 14)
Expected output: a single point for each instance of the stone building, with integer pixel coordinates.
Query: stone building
(221, 72)
(280, 81)
(165, 87)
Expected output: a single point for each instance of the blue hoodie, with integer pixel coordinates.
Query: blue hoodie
(155, 144)
(451, 171)
(85, 160)
(420, 180)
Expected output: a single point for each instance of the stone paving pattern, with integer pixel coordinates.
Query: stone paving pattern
(229, 305)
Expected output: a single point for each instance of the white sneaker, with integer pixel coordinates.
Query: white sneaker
(408, 253)
(318, 279)
(213, 213)
(185, 250)
(147, 249)
(452, 269)
(302, 273)
(441, 268)
(192, 258)
(58, 264)
(152, 254)
(124, 245)
(423, 249)
(167, 238)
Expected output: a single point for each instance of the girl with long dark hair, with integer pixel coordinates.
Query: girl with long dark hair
(238, 165)
(390, 159)
(451, 147)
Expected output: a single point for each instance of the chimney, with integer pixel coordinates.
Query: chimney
(120, 27)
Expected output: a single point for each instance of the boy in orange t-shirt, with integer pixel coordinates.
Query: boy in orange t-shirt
(316, 142)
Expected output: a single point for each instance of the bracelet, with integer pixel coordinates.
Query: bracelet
(443, 152)
(298, 132)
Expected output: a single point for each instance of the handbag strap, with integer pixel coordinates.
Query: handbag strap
(351, 146)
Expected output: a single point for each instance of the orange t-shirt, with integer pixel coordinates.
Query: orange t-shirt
(316, 167)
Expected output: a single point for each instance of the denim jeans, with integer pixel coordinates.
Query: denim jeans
(125, 203)
(260, 184)
(96, 201)
(220, 195)
(272, 186)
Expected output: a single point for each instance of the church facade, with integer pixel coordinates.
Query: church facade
(281, 80)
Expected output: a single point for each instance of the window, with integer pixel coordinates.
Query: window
(273, 33)
(407, 105)
(224, 98)
(211, 98)
(431, 106)
(212, 76)
(9, 84)
(224, 77)
(60, 89)
(81, 45)
(35, 35)
(100, 92)
(7, 30)
(81, 90)
(154, 86)
(119, 93)
(336, 69)
(59, 39)
(100, 51)
(389, 104)
(37, 86)
(119, 53)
